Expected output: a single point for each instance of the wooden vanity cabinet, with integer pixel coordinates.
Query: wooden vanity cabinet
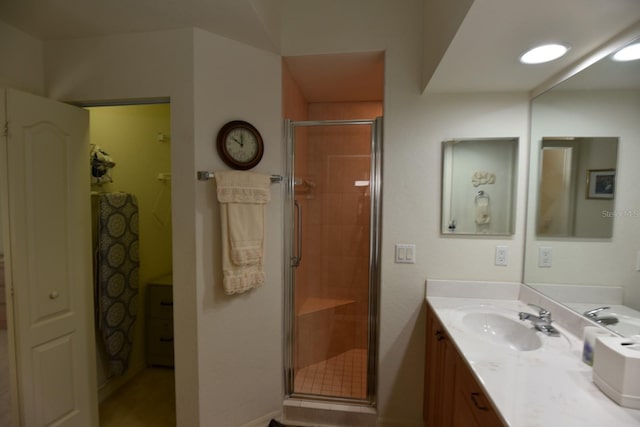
(439, 374)
(453, 397)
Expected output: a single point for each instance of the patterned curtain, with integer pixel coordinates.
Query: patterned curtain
(118, 266)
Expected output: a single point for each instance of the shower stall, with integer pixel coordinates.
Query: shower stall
(332, 249)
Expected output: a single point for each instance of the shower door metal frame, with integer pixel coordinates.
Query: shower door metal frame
(375, 230)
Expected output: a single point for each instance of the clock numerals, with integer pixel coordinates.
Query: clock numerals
(240, 145)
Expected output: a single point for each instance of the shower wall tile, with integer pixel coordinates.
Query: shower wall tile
(335, 235)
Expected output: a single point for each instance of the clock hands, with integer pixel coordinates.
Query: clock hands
(239, 142)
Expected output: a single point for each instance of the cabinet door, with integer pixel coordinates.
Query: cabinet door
(439, 375)
(471, 406)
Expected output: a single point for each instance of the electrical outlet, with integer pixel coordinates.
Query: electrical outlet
(545, 257)
(502, 255)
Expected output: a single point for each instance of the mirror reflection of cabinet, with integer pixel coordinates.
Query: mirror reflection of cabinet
(576, 187)
(478, 185)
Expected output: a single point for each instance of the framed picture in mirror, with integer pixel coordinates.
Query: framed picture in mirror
(601, 183)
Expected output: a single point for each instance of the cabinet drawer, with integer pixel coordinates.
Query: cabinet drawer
(469, 393)
(160, 328)
(160, 342)
(160, 299)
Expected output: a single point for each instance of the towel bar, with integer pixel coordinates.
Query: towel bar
(206, 176)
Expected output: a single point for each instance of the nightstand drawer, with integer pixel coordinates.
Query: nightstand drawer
(160, 323)
(160, 342)
(160, 301)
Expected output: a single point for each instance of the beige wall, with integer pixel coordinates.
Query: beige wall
(441, 22)
(239, 337)
(22, 65)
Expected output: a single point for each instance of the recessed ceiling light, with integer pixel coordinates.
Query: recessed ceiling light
(629, 53)
(544, 53)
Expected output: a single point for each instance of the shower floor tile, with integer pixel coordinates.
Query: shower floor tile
(344, 375)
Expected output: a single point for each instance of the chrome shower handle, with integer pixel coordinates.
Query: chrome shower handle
(295, 260)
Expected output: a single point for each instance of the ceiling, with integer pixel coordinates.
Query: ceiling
(340, 77)
(483, 55)
(606, 74)
(247, 21)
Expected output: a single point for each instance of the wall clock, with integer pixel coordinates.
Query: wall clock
(240, 145)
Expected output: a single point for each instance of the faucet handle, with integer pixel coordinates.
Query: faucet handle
(542, 312)
(593, 313)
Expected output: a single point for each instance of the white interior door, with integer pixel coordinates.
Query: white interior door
(47, 191)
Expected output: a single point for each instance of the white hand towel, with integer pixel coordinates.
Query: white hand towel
(242, 196)
(482, 211)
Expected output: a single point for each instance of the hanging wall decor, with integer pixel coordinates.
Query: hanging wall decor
(240, 145)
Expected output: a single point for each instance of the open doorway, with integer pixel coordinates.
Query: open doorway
(130, 149)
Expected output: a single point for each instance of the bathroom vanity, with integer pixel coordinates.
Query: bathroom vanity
(486, 367)
(453, 397)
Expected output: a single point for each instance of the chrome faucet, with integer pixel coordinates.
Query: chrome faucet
(541, 322)
(604, 320)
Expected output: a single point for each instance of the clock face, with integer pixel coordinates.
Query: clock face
(240, 145)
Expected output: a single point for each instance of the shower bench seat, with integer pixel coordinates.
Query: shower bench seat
(316, 304)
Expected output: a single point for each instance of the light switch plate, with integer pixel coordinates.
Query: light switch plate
(405, 254)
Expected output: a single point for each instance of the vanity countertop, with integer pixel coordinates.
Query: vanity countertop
(550, 386)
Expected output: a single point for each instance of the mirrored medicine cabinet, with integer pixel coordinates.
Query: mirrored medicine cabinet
(478, 186)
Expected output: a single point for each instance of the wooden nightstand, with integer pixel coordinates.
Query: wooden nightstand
(160, 322)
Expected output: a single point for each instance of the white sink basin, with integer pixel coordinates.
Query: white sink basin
(501, 330)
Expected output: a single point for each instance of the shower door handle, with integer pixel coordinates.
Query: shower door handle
(295, 260)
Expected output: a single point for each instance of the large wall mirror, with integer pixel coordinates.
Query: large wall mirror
(583, 231)
(478, 186)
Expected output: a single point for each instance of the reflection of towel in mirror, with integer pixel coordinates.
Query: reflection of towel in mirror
(482, 211)
(242, 196)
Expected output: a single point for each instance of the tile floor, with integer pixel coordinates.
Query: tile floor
(344, 375)
(148, 400)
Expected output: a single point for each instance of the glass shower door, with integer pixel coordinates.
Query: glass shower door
(333, 281)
